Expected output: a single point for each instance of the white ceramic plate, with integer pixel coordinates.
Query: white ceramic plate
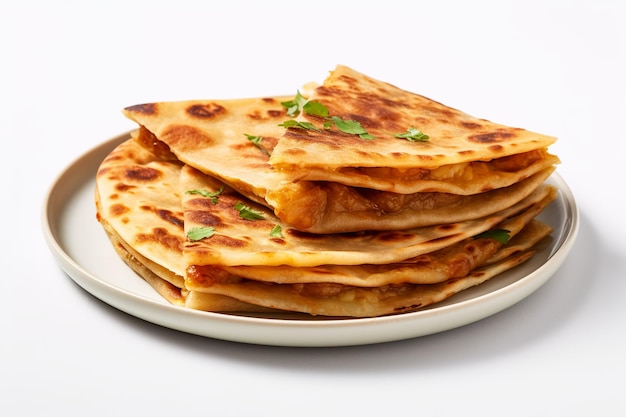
(84, 252)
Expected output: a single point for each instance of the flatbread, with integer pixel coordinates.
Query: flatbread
(346, 301)
(137, 196)
(320, 221)
(238, 241)
(454, 261)
(284, 171)
(139, 207)
(156, 205)
(327, 207)
(159, 278)
(383, 110)
(467, 178)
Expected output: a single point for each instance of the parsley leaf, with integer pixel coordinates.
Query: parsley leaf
(351, 127)
(208, 194)
(294, 106)
(300, 104)
(315, 108)
(256, 140)
(199, 233)
(247, 213)
(277, 231)
(413, 135)
(501, 235)
(299, 125)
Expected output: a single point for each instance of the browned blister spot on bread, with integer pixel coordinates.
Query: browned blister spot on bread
(142, 174)
(161, 237)
(117, 210)
(491, 137)
(170, 217)
(206, 110)
(145, 108)
(204, 218)
(185, 138)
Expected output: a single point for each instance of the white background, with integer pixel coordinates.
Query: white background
(556, 67)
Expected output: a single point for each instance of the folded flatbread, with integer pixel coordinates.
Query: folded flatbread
(348, 301)
(139, 206)
(359, 290)
(380, 201)
(139, 199)
(462, 155)
(469, 168)
(240, 241)
(336, 300)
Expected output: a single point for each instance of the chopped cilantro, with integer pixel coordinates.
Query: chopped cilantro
(351, 127)
(315, 108)
(299, 125)
(199, 233)
(247, 213)
(294, 106)
(208, 194)
(300, 104)
(413, 135)
(277, 231)
(501, 235)
(256, 140)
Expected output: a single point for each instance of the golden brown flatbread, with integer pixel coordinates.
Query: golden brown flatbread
(360, 290)
(384, 110)
(357, 200)
(346, 301)
(332, 182)
(326, 207)
(137, 197)
(155, 207)
(454, 261)
(239, 241)
(139, 206)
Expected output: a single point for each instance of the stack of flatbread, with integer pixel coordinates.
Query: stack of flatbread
(354, 199)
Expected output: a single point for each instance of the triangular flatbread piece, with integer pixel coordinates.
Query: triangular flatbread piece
(139, 206)
(384, 111)
(238, 240)
(345, 188)
(346, 301)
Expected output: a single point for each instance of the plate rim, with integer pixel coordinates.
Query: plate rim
(284, 332)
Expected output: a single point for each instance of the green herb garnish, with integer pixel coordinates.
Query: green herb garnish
(247, 213)
(208, 194)
(294, 106)
(351, 127)
(199, 233)
(256, 140)
(501, 235)
(299, 125)
(413, 135)
(277, 231)
(315, 108)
